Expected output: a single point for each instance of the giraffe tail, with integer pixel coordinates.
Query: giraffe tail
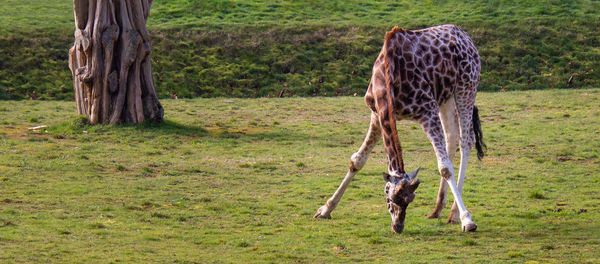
(479, 144)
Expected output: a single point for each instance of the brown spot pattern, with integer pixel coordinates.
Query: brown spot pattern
(415, 72)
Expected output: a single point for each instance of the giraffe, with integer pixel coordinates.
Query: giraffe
(430, 76)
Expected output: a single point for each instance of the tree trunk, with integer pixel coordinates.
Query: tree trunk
(110, 62)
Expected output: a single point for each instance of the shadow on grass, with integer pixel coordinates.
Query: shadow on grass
(173, 128)
(170, 127)
(79, 126)
(244, 134)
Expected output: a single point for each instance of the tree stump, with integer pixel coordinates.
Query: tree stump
(110, 62)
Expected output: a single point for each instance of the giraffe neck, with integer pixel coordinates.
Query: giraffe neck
(395, 162)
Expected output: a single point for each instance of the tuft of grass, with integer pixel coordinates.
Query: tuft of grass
(71, 129)
(514, 254)
(80, 122)
(536, 195)
(469, 242)
(547, 247)
(149, 205)
(160, 215)
(147, 171)
(375, 240)
(243, 244)
(97, 225)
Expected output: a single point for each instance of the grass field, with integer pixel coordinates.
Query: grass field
(242, 48)
(238, 180)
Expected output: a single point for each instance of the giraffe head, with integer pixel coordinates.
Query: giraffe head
(399, 192)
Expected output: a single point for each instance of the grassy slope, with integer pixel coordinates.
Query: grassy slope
(238, 181)
(250, 48)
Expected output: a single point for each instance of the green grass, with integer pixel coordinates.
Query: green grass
(306, 48)
(238, 180)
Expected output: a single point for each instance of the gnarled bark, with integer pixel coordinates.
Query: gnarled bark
(110, 62)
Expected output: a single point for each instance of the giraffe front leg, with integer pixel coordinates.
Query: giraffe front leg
(433, 128)
(325, 210)
(357, 161)
(440, 201)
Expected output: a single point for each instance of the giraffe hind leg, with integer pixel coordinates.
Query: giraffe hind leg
(433, 128)
(449, 120)
(465, 104)
(357, 161)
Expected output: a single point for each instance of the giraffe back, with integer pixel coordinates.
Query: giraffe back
(424, 68)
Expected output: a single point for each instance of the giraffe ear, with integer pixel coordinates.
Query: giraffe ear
(387, 177)
(413, 174)
(414, 181)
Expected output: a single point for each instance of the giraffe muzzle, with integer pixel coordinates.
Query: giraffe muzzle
(398, 228)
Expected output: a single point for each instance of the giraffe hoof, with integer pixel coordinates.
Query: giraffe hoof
(452, 221)
(320, 214)
(470, 227)
(433, 215)
(452, 218)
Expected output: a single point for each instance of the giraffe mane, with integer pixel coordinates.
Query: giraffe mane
(390, 34)
(390, 79)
